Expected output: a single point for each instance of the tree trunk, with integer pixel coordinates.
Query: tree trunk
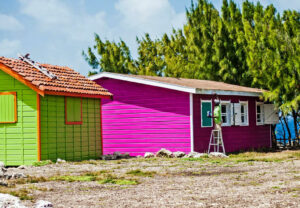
(288, 130)
(284, 143)
(295, 116)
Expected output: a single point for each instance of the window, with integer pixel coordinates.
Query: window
(225, 112)
(8, 107)
(259, 113)
(73, 110)
(206, 107)
(244, 113)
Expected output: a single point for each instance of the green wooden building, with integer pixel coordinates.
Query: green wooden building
(48, 112)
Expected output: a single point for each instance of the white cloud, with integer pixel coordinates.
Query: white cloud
(56, 17)
(9, 47)
(153, 16)
(9, 23)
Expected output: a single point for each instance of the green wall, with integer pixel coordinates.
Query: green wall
(18, 141)
(69, 142)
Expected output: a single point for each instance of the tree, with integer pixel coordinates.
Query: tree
(113, 57)
(253, 46)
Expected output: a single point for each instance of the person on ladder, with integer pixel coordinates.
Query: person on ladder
(217, 116)
(216, 138)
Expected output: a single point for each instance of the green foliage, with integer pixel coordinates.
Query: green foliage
(139, 172)
(253, 46)
(42, 163)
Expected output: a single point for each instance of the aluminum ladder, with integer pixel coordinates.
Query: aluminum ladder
(216, 141)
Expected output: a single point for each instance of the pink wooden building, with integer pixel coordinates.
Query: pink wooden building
(149, 113)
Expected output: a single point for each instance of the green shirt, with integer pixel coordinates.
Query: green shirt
(217, 115)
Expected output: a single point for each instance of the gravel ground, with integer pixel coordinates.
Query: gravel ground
(174, 182)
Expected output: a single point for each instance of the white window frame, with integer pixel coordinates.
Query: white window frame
(261, 113)
(228, 108)
(246, 111)
(212, 122)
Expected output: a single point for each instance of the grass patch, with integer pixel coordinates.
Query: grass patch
(139, 172)
(42, 163)
(22, 193)
(72, 178)
(118, 181)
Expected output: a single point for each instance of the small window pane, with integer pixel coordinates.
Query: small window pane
(223, 108)
(224, 119)
(258, 108)
(242, 108)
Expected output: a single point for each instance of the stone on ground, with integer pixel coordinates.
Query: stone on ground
(9, 201)
(43, 204)
(164, 153)
(178, 154)
(217, 154)
(60, 160)
(148, 155)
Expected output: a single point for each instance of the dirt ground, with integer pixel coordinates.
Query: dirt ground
(243, 180)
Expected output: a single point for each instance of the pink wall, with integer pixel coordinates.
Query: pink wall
(235, 137)
(143, 118)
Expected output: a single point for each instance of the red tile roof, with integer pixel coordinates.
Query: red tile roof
(68, 82)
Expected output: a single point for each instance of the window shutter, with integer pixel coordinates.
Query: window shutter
(73, 110)
(205, 107)
(8, 108)
(270, 114)
(237, 114)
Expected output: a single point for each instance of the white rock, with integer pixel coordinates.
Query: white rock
(22, 167)
(3, 183)
(9, 201)
(17, 175)
(178, 154)
(2, 165)
(148, 155)
(217, 154)
(60, 160)
(164, 153)
(198, 155)
(43, 204)
(117, 153)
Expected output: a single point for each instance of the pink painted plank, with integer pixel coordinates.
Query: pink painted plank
(146, 131)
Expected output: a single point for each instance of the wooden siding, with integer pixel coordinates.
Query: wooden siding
(70, 142)
(236, 138)
(18, 141)
(143, 118)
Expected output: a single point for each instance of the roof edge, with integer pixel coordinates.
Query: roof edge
(171, 86)
(21, 79)
(143, 81)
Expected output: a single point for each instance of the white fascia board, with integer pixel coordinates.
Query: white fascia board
(224, 92)
(143, 81)
(171, 86)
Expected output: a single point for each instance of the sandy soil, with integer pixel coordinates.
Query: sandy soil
(174, 183)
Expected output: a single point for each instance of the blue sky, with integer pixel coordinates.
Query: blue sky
(56, 31)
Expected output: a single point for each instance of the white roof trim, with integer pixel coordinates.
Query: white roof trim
(143, 81)
(170, 86)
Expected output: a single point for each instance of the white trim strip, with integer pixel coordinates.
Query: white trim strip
(143, 81)
(171, 86)
(192, 121)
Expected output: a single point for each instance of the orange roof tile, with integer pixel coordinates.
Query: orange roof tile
(69, 82)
